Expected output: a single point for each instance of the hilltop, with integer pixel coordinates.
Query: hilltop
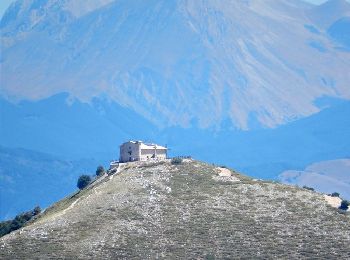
(193, 210)
(216, 79)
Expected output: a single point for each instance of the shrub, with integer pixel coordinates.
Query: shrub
(26, 216)
(19, 221)
(344, 205)
(308, 188)
(112, 171)
(100, 170)
(83, 181)
(5, 227)
(36, 211)
(176, 160)
(335, 194)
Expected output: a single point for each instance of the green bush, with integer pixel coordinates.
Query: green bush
(100, 170)
(344, 205)
(83, 181)
(19, 221)
(176, 160)
(335, 194)
(5, 227)
(308, 188)
(36, 211)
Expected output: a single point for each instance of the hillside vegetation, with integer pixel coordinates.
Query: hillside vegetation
(188, 211)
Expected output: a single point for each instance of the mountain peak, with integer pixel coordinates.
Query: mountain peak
(327, 13)
(234, 57)
(336, 2)
(29, 13)
(336, 5)
(190, 210)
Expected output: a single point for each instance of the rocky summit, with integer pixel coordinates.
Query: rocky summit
(192, 210)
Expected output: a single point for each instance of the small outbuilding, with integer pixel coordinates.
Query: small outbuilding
(139, 151)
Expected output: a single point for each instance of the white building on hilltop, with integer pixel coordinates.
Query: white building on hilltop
(138, 151)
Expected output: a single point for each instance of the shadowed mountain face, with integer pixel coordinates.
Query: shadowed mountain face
(175, 62)
(29, 178)
(78, 130)
(186, 211)
(340, 32)
(328, 13)
(70, 130)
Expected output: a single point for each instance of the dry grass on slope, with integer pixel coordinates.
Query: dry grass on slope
(184, 211)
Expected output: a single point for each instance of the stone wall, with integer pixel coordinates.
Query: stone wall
(136, 151)
(129, 152)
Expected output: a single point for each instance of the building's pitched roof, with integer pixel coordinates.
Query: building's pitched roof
(147, 145)
(131, 141)
(152, 146)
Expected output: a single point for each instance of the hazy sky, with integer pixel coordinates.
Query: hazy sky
(5, 3)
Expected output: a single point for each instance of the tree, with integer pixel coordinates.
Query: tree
(176, 160)
(36, 211)
(5, 227)
(19, 221)
(344, 205)
(308, 188)
(83, 181)
(335, 194)
(100, 170)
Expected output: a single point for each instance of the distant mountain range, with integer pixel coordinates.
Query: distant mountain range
(327, 176)
(181, 62)
(29, 178)
(262, 86)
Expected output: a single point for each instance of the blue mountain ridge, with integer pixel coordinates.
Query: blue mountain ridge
(70, 129)
(340, 32)
(189, 74)
(80, 136)
(29, 178)
(264, 153)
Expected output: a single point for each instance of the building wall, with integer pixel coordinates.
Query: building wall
(149, 154)
(130, 152)
(161, 154)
